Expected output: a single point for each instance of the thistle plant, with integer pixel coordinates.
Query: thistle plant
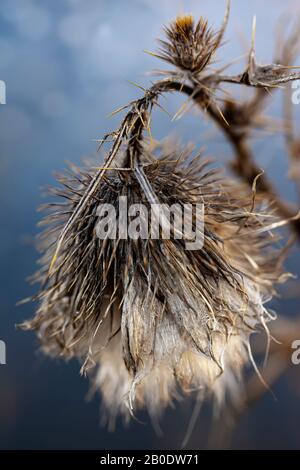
(149, 320)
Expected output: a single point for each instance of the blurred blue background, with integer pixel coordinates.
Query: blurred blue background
(67, 65)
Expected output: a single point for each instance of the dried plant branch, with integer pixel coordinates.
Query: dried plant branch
(279, 362)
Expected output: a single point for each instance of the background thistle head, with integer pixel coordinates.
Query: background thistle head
(189, 46)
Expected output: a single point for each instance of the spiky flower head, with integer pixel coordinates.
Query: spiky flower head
(149, 319)
(189, 46)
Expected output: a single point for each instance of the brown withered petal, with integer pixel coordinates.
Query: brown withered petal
(148, 319)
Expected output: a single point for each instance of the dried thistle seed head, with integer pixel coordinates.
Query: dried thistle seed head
(189, 46)
(157, 320)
